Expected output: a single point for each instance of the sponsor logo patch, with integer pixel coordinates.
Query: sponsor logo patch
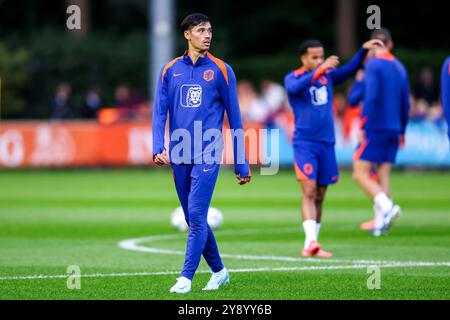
(191, 95)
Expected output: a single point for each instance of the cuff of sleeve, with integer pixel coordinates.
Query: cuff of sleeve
(243, 170)
(157, 151)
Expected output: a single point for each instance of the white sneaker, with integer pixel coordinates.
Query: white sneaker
(217, 280)
(377, 232)
(183, 285)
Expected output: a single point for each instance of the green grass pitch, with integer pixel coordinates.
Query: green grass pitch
(50, 220)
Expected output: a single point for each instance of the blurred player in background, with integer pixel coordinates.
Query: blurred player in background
(445, 92)
(355, 100)
(355, 97)
(383, 123)
(310, 93)
(196, 89)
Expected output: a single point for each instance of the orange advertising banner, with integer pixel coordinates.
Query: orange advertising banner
(88, 143)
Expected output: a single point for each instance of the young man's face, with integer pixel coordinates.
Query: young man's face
(313, 58)
(199, 37)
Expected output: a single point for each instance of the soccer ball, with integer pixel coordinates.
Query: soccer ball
(215, 219)
(177, 219)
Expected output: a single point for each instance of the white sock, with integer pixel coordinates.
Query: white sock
(310, 231)
(382, 202)
(317, 230)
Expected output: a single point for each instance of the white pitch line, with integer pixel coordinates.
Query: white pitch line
(165, 273)
(134, 245)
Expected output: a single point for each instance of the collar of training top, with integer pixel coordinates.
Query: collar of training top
(201, 60)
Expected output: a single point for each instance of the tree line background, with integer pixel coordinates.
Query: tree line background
(258, 38)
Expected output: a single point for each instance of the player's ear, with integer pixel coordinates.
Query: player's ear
(187, 34)
(390, 45)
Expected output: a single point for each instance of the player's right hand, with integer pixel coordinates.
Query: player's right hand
(161, 158)
(330, 63)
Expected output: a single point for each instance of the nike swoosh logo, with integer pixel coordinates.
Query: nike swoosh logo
(206, 170)
(177, 74)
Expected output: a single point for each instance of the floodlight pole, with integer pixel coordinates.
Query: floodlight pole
(161, 38)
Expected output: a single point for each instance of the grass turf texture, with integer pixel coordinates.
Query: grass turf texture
(50, 220)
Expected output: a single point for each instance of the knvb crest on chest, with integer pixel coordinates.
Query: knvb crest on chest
(208, 75)
(323, 80)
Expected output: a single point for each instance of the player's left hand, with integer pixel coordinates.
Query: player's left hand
(373, 44)
(243, 180)
(330, 63)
